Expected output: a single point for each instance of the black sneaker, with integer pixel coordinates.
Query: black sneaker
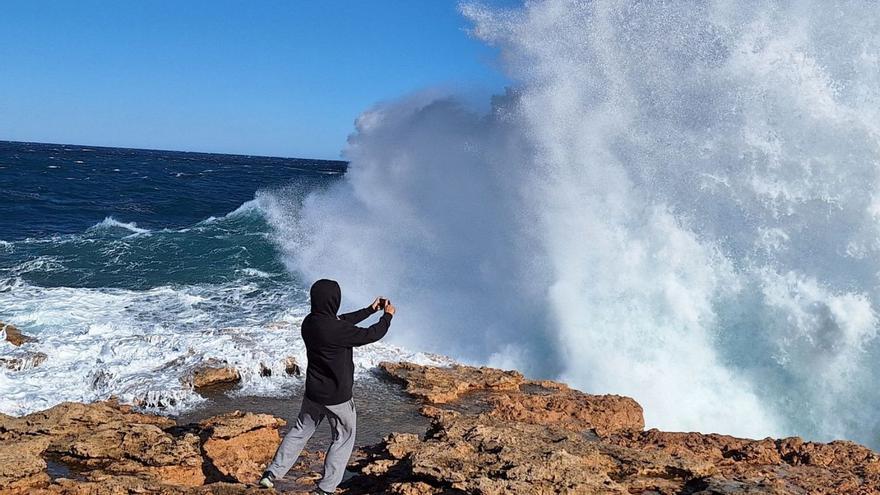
(267, 480)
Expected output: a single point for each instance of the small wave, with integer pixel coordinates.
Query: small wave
(247, 207)
(111, 223)
(253, 272)
(38, 264)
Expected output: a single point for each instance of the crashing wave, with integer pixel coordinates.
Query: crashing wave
(675, 202)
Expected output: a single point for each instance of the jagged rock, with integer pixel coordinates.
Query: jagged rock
(21, 464)
(501, 434)
(14, 335)
(240, 445)
(265, 371)
(516, 399)
(484, 454)
(291, 367)
(22, 361)
(68, 421)
(126, 485)
(571, 409)
(536, 438)
(789, 464)
(142, 450)
(109, 438)
(117, 451)
(214, 375)
(440, 385)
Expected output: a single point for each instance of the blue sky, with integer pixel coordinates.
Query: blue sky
(282, 78)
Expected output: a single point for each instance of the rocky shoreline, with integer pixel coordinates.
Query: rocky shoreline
(491, 432)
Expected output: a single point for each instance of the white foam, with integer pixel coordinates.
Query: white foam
(253, 272)
(141, 346)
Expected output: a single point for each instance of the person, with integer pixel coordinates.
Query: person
(329, 341)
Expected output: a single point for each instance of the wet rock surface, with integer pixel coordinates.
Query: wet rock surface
(22, 360)
(291, 367)
(14, 336)
(491, 432)
(214, 374)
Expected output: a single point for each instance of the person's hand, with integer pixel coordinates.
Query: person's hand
(377, 304)
(389, 308)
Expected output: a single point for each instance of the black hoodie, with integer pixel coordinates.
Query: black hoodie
(329, 339)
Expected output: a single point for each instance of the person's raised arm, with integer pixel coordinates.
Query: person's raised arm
(356, 336)
(360, 315)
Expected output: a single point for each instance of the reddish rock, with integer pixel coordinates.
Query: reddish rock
(530, 438)
(484, 454)
(67, 421)
(498, 434)
(440, 385)
(127, 485)
(22, 465)
(209, 375)
(509, 396)
(105, 437)
(14, 335)
(240, 445)
(571, 409)
(141, 450)
(800, 467)
(114, 450)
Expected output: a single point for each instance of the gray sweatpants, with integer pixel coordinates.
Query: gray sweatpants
(343, 422)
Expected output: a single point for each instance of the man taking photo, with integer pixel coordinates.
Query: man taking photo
(329, 341)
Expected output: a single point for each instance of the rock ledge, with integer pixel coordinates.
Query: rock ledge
(492, 432)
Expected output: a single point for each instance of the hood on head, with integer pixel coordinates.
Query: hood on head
(326, 296)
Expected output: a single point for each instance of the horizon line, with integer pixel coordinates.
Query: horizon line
(88, 146)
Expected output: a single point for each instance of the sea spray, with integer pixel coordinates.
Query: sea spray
(676, 202)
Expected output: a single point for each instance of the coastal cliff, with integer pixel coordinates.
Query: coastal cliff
(491, 432)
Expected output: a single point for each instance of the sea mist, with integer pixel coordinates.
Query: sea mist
(675, 201)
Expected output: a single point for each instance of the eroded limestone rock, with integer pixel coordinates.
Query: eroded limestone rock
(116, 450)
(14, 335)
(490, 437)
(440, 385)
(492, 432)
(210, 375)
(240, 445)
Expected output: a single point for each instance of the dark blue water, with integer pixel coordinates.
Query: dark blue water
(132, 267)
(48, 189)
(106, 217)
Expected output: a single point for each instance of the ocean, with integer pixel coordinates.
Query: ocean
(133, 267)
